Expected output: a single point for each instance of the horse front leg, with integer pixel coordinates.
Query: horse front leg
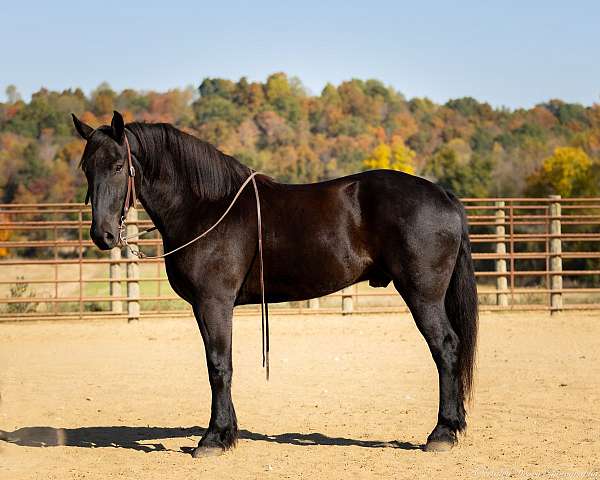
(215, 322)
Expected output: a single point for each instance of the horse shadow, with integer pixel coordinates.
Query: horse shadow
(147, 439)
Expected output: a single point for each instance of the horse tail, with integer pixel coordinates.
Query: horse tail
(462, 307)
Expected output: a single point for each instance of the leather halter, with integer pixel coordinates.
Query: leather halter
(130, 196)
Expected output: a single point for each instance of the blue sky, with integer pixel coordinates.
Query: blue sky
(509, 53)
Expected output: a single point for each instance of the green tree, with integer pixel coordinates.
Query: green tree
(217, 87)
(215, 108)
(282, 96)
(469, 179)
(12, 94)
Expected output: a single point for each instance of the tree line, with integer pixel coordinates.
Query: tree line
(279, 128)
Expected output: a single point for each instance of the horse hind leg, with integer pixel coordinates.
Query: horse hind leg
(443, 342)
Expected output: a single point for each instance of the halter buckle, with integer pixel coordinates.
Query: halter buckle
(122, 231)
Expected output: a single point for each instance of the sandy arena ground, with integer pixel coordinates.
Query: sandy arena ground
(351, 397)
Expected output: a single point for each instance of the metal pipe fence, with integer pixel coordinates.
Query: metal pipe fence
(529, 254)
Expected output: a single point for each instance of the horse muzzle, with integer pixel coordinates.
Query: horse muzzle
(104, 236)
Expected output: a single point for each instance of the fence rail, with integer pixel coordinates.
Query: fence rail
(529, 254)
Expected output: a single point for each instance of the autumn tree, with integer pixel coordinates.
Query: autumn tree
(396, 156)
(103, 100)
(279, 128)
(5, 235)
(568, 172)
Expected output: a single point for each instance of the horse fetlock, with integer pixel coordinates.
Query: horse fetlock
(223, 438)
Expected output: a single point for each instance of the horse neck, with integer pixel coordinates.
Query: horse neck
(165, 208)
(170, 205)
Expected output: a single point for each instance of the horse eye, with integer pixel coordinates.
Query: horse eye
(119, 168)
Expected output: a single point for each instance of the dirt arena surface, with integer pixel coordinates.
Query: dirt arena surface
(349, 397)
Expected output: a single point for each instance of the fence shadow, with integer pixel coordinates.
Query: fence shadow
(145, 439)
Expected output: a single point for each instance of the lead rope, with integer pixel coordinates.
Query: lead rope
(123, 238)
(264, 308)
(138, 253)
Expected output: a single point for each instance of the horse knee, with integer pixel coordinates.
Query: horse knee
(219, 367)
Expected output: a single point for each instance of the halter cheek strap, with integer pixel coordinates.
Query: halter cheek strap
(130, 196)
(130, 199)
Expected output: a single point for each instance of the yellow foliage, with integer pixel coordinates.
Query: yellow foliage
(396, 156)
(379, 158)
(403, 158)
(4, 237)
(565, 169)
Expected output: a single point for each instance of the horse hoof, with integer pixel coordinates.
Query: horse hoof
(438, 446)
(203, 452)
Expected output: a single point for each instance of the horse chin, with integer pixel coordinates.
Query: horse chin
(103, 246)
(105, 243)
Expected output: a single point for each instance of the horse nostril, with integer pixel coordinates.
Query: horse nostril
(109, 238)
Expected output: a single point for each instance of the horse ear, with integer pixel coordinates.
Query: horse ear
(83, 129)
(118, 127)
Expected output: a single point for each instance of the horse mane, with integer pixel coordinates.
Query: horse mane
(205, 171)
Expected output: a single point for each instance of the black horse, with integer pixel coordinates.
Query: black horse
(381, 226)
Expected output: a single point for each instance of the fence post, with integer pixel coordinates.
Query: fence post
(501, 280)
(133, 271)
(556, 280)
(347, 300)
(313, 304)
(116, 306)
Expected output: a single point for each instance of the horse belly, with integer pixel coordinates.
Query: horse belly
(313, 266)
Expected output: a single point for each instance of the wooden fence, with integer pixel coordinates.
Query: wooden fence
(529, 254)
